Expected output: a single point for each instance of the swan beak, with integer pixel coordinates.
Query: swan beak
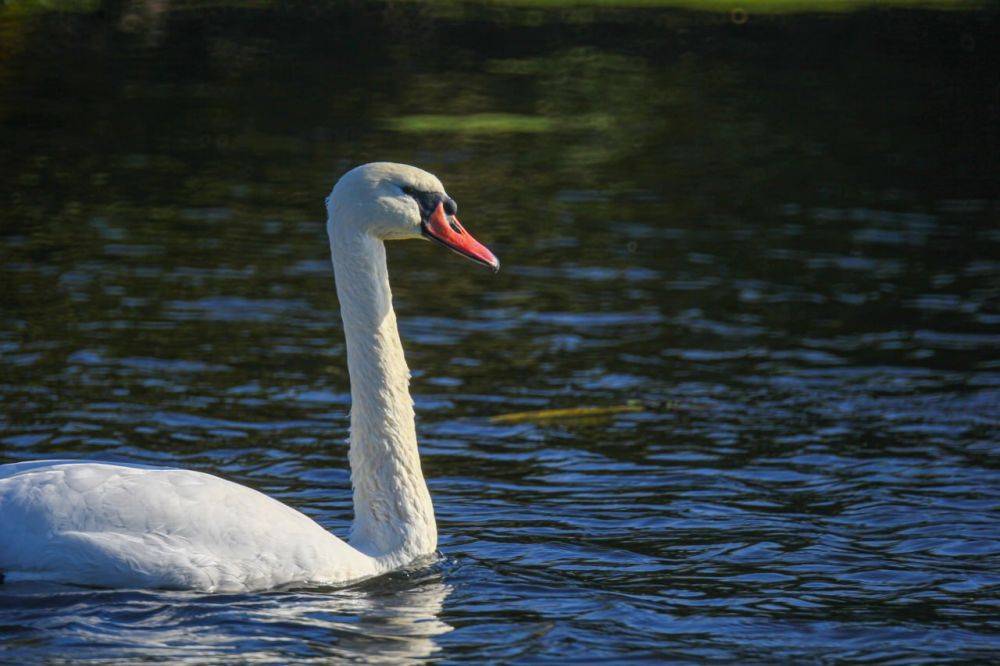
(448, 231)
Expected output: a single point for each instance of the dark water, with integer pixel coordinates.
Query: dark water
(780, 236)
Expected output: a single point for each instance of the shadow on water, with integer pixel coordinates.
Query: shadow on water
(779, 230)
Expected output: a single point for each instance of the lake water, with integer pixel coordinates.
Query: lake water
(776, 233)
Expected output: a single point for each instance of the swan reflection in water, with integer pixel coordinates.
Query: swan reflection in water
(394, 625)
(392, 619)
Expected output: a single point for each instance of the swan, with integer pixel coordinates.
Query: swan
(122, 525)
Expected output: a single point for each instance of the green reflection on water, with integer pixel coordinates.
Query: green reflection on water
(767, 6)
(489, 123)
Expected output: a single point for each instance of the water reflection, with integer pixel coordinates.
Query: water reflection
(791, 260)
(392, 620)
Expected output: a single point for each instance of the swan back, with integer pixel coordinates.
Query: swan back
(116, 525)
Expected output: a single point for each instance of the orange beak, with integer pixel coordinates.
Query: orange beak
(448, 231)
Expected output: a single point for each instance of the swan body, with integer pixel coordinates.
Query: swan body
(116, 525)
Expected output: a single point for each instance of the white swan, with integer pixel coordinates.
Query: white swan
(113, 525)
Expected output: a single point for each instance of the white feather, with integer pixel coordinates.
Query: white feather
(116, 525)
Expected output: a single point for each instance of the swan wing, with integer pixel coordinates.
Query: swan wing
(134, 526)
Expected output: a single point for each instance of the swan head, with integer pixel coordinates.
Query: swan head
(391, 201)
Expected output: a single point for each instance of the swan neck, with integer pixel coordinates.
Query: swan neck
(393, 515)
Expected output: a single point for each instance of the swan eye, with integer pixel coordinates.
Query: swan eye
(429, 201)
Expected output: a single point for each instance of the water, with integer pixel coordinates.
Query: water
(779, 236)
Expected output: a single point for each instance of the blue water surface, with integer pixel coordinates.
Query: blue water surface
(777, 237)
